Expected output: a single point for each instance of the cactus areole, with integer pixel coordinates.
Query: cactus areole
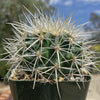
(52, 54)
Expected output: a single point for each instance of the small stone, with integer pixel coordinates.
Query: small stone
(61, 79)
(72, 78)
(54, 80)
(84, 71)
(78, 79)
(42, 79)
(14, 78)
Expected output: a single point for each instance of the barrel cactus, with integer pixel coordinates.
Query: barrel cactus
(51, 49)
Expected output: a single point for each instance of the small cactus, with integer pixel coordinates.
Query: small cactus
(52, 49)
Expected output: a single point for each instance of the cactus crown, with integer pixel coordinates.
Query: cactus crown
(50, 48)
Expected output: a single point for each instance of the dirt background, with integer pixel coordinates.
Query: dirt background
(93, 93)
(94, 89)
(3, 87)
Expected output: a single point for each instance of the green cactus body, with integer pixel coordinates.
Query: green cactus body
(47, 51)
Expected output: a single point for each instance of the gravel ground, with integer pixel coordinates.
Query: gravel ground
(3, 87)
(94, 89)
(93, 93)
